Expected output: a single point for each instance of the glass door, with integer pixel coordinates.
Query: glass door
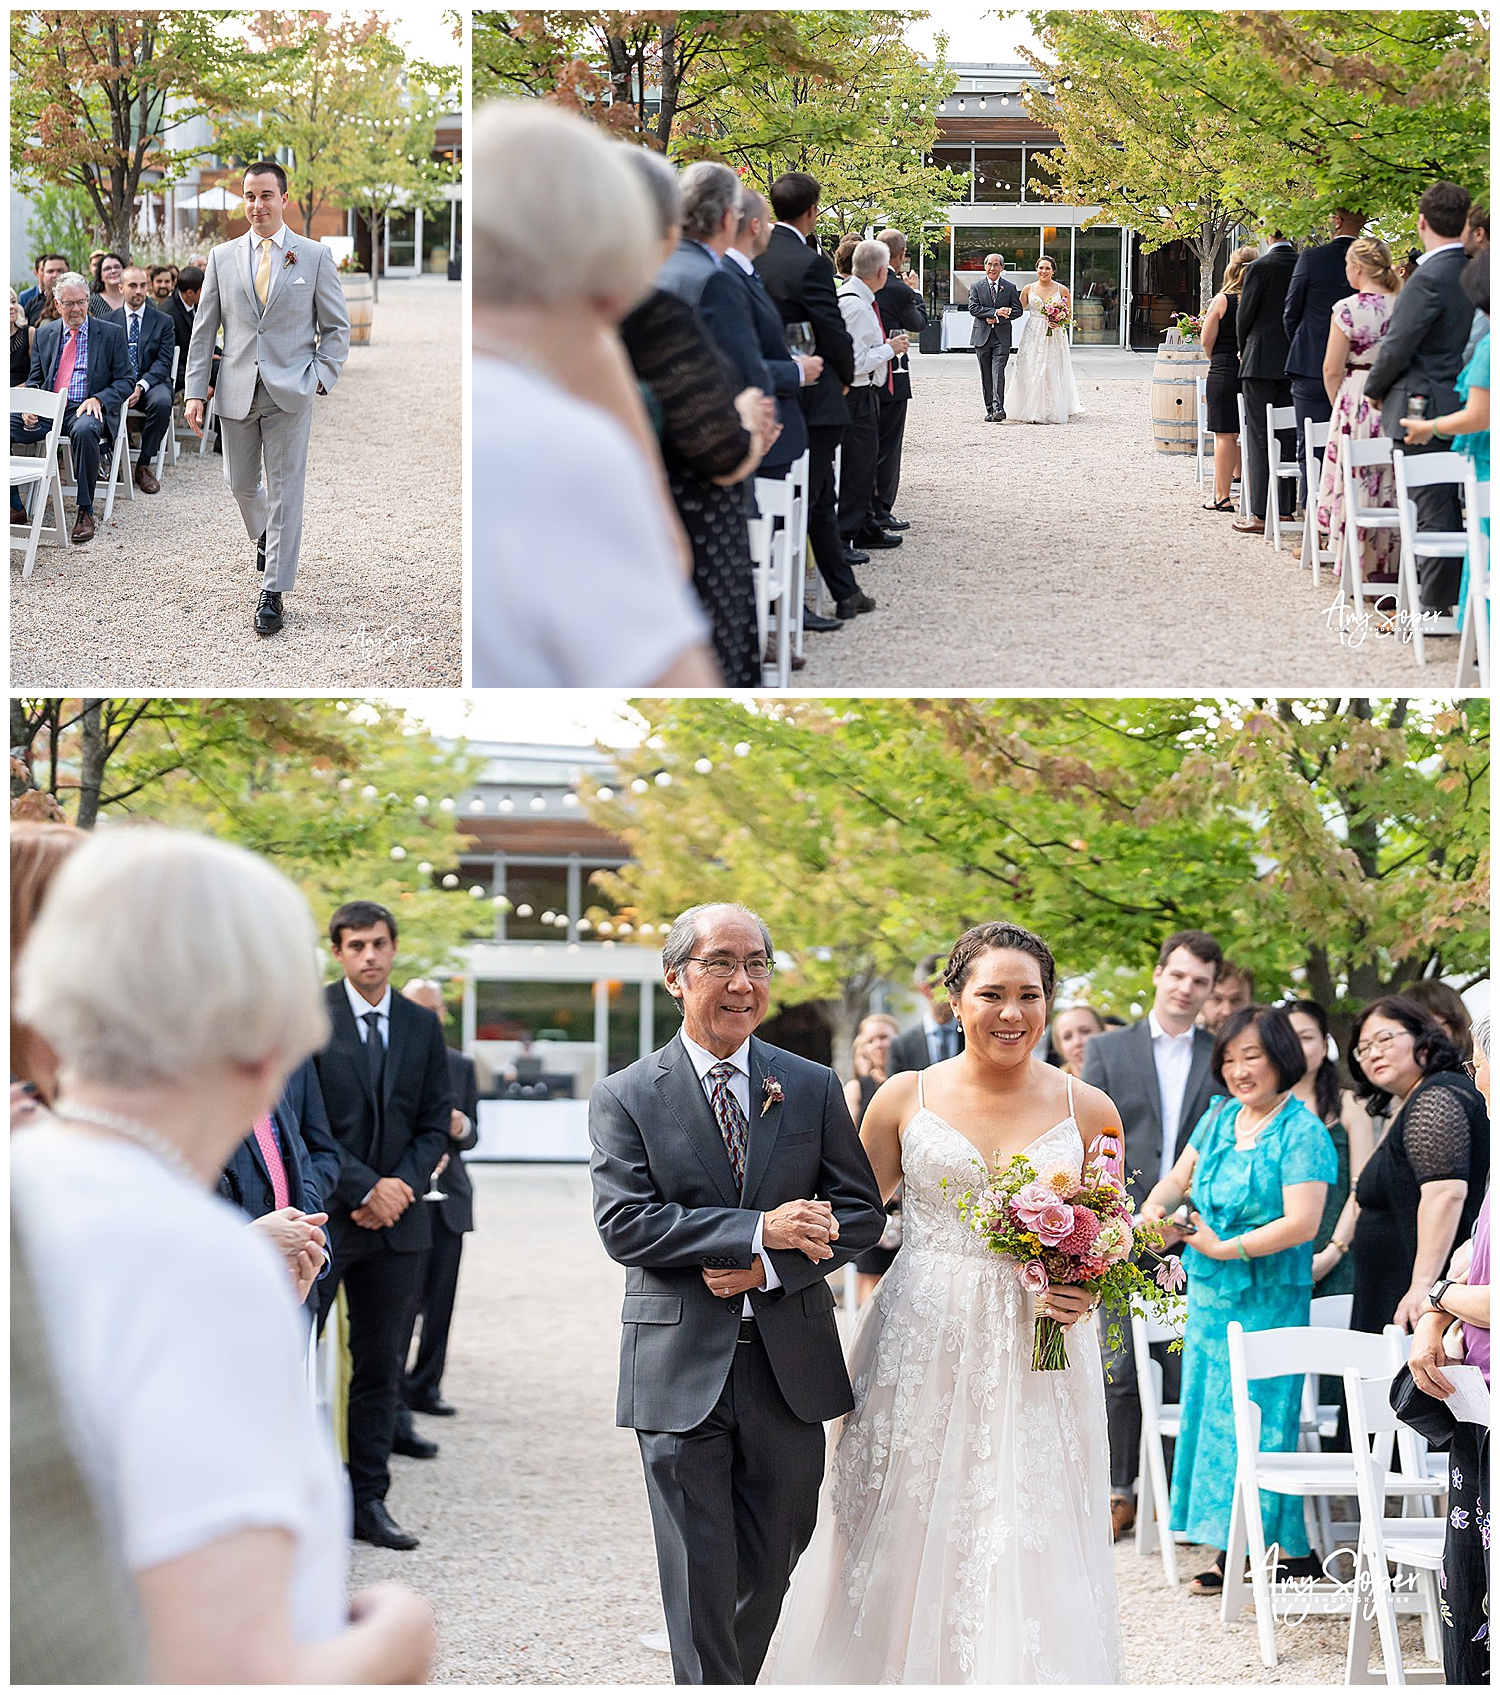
(403, 243)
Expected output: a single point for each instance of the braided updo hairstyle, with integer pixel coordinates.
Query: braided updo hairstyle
(980, 939)
(1374, 259)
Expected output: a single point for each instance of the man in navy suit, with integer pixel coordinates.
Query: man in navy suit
(84, 358)
(1318, 284)
(710, 222)
(150, 339)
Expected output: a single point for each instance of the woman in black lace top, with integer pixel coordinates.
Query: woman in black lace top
(1421, 1189)
(20, 343)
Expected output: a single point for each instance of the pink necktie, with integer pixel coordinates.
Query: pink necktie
(66, 363)
(265, 1134)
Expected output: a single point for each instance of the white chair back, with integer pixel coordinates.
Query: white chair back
(1416, 471)
(1474, 638)
(798, 478)
(1359, 456)
(1159, 1420)
(773, 571)
(1278, 418)
(1314, 444)
(38, 473)
(1204, 437)
(1239, 401)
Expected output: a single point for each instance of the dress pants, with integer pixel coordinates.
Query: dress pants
(733, 1504)
(1259, 393)
(823, 511)
(265, 463)
(861, 451)
(1438, 508)
(888, 459)
(1311, 401)
(1122, 1403)
(424, 1381)
(381, 1288)
(89, 437)
(992, 358)
(153, 411)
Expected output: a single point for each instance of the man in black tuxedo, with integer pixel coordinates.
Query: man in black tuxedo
(800, 280)
(453, 1218)
(1422, 353)
(1318, 284)
(1157, 1074)
(937, 1036)
(384, 1076)
(149, 342)
(994, 304)
(182, 307)
(85, 358)
(901, 312)
(1263, 378)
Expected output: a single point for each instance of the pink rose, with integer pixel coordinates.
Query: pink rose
(1038, 1209)
(1033, 1276)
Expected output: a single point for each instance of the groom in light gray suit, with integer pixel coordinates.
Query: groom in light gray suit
(278, 300)
(708, 1156)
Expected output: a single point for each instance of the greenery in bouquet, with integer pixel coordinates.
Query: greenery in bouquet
(1190, 328)
(1058, 1228)
(1057, 315)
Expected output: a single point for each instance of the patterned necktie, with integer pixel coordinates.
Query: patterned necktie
(263, 272)
(66, 363)
(135, 344)
(731, 1119)
(374, 1050)
(265, 1135)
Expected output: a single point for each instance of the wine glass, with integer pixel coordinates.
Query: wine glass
(800, 338)
(433, 1192)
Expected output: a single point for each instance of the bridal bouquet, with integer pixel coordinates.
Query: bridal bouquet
(1056, 314)
(1189, 327)
(1062, 1229)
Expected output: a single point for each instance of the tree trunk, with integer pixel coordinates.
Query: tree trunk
(377, 222)
(845, 1014)
(671, 85)
(94, 757)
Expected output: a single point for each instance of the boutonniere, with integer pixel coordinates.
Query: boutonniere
(290, 260)
(770, 1094)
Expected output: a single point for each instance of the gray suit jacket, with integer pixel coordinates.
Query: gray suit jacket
(1123, 1064)
(665, 1206)
(687, 270)
(1422, 351)
(909, 1050)
(983, 300)
(299, 340)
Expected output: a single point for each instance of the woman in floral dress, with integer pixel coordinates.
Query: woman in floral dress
(1359, 324)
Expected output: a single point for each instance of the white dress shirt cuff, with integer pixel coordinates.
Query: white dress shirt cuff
(772, 1280)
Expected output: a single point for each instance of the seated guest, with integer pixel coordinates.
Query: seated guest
(85, 359)
(36, 300)
(900, 308)
(565, 242)
(1257, 1170)
(20, 369)
(108, 294)
(150, 342)
(1317, 284)
(181, 307)
(176, 980)
(872, 372)
(162, 279)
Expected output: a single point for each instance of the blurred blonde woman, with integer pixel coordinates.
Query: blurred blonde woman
(872, 1058)
(37, 853)
(1222, 391)
(1072, 1030)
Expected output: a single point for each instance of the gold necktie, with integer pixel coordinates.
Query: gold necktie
(263, 271)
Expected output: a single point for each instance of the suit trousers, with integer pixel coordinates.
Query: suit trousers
(992, 358)
(265, 464)
(381, 1288)
(1311, 401)
(823, 511)
(861, 451)
(888, 459)
(89, 438)
(1438, 508)
(424, 1380)
(1259, 393)
(153, 412)
(1122, 1402)
(733, 1504)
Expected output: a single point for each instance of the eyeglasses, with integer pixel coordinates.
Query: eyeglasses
(1378, 1044)
(721, 965)
(1469, 1069)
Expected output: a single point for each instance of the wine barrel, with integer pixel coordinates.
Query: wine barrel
(359, 297)
(1088, 320)
(1174, 396)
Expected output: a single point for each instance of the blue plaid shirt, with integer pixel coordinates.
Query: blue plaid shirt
(78, 388)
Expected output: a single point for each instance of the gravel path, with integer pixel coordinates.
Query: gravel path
(163, 596)
(536, 1538)
(1059, 558)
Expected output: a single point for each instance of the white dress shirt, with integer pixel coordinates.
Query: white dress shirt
(872, 352)
(1174, 1059)
(134, 315)
(359, 1006)
(1424, 257)
(278, 244)
(746, 265)
(739, 1087)
(937, 1038)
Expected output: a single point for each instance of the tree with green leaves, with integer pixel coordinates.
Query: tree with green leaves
(62, 220)
(1336, 848)
(96, 95)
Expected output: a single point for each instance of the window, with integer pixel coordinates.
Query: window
(1096, 287)
(538, 896)
(1019, 247)
(997, 173)
(530, 1012)
(956, 156)
(1039, 169)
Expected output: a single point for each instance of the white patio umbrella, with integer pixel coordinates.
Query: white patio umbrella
(215, 199)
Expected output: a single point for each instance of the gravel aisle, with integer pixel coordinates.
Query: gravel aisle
(536, 1538)
(163, 596)
(1078, 557)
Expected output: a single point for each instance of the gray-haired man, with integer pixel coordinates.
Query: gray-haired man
(278, 300)
(707, 1156)
(710, 222)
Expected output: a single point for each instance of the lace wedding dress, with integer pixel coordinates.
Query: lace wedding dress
(963, 1532)
(1043, 390)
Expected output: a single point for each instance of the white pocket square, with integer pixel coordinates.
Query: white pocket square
(299, 282)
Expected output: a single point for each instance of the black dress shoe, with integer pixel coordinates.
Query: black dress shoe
(413, 1446)
(260, 553)
(817, 623)
(856, 604)
(893, 523)
(268, 614)
(373, 1524)
(852, 556)
(435, 1407)
(877, 539)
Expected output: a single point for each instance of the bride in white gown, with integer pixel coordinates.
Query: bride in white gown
(1043, 390)
(963, 1532)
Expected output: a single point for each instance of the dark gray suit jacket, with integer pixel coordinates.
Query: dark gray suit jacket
(1123, 1064)
(665, 1206)
(687, 270)
(909, 1051)
(983, 300)
(1423, 348)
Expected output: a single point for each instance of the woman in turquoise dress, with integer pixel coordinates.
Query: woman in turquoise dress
(1256, 1173)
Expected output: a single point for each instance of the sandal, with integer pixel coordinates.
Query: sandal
(1210, 1582)
(1225, 505)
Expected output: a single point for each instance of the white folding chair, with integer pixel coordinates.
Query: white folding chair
(1289, 1352)
(1474, 638)
(820, 604)
(1204, 435)
(1320, 1420)
(771, 552)
(1414, 471)
(38, 475)
(797, 479)
(115, 470)
(169, 440)
(1278, 418)
(1414, 1545)
(1314, 441)
(1360, 456)
(210, 412)
(1244, 512)
(1159, 1420)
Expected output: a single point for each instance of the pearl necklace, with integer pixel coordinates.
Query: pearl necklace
(142, 1135)
(1251, 1132)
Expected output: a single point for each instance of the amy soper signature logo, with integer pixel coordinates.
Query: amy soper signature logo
(390, 642)
(1294, 1598)
(1354, 628)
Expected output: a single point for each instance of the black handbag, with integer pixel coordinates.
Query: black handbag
(1424, 1413)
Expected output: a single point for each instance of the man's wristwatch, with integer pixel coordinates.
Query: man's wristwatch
(1435, 1295)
